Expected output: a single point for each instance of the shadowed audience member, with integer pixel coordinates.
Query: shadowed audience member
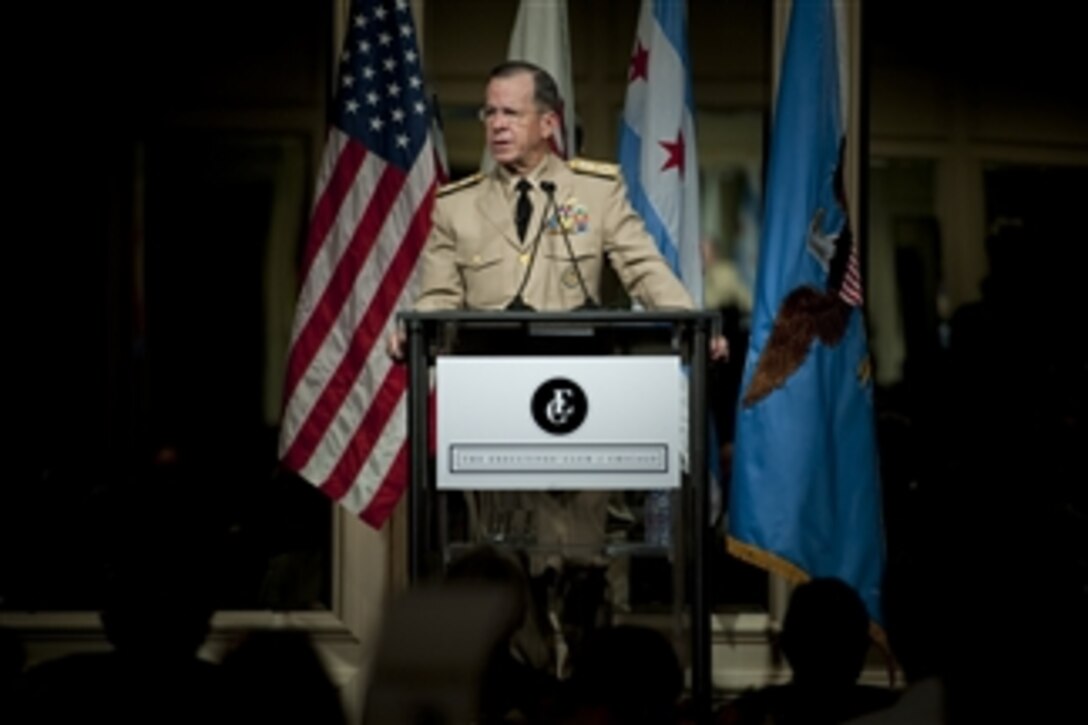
(515, 683)
(12, 662)
(916, 620)
(156, 618)
(622, 675)
(277, 676)
(449, 652)
(825, 638)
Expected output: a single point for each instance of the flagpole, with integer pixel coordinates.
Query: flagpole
(857, 115)
(778, 586)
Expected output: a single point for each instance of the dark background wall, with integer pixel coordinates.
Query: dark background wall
(140, 178)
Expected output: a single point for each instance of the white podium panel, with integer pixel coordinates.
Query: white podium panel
(558, 422)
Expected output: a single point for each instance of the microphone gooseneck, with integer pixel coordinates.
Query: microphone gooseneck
(518, 303)
(588, 303)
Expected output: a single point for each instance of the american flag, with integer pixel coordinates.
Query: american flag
(344, 424)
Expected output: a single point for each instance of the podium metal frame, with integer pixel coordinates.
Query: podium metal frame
(430, 334)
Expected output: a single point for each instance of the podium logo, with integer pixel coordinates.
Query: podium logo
(560, 406)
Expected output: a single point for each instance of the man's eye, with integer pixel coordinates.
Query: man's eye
(509, 114)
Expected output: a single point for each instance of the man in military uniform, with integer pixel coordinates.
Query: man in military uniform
(498, 237)
(477, 257)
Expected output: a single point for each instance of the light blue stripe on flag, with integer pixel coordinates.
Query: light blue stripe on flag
(670, 17)
(630, 148)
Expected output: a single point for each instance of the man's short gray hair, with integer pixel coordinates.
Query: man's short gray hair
(545, 91)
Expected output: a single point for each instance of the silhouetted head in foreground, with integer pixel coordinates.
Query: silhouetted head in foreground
(825, 635)
(277, 676)
(625, 674)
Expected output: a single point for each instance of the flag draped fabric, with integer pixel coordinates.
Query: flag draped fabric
(657, 139)
(541, 36)
(657, 156)
(344, 423)
(805, 497)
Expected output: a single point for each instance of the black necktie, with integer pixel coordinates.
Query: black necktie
(524, 209)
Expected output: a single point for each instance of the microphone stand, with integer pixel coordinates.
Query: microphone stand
(518, 303)
(588, 303)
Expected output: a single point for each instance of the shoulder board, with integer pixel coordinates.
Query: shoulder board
(595, 168)
(464, 183)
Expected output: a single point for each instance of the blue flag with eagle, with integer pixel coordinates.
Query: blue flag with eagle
(805, 497)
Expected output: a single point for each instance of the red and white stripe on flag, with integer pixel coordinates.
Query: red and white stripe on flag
(344, 426)
(851, 292)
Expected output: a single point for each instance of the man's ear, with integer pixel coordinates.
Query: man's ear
(549, 124)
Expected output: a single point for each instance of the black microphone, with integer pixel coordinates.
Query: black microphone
(518, 304)
(588, 302)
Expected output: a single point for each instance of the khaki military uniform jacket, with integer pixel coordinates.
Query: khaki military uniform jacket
(474, 260)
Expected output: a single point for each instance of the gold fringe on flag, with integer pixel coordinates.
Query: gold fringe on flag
(795, 575)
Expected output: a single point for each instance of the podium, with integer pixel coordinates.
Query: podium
(684, 335)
